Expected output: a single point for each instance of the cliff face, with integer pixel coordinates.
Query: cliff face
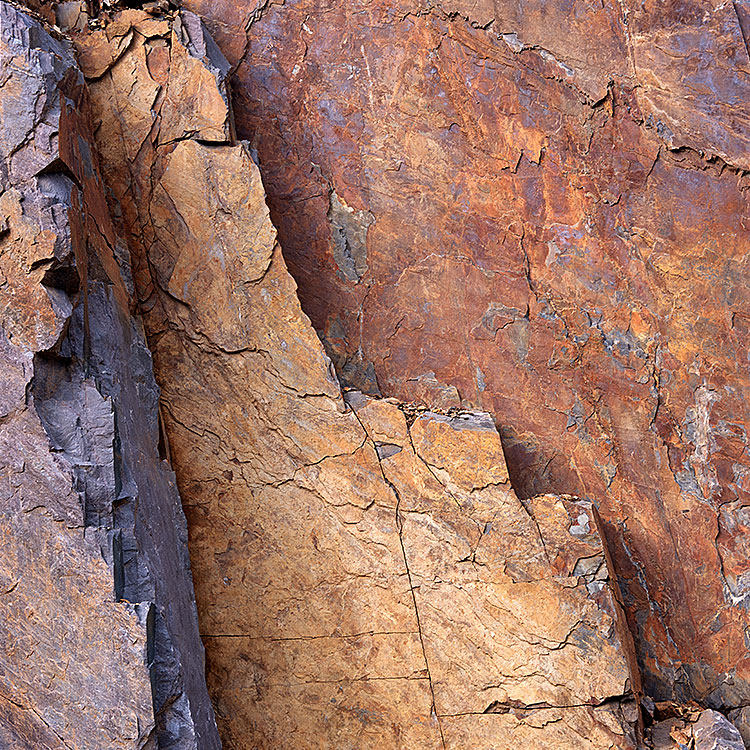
(538, 210)
(526, 223)
(100, 644)
(364, 578)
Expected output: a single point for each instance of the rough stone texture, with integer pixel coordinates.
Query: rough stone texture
(712, 731)
(100, 645)
(700, 730)
(741, 719)
(365, 579)
(547, 220)
(524, 216)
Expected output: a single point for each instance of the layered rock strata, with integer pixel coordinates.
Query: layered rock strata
(539, 210)
(366, 576)
(99, 644)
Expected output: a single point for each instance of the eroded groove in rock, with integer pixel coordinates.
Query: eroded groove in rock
(559, 236)
(100, 644)
(361, 582)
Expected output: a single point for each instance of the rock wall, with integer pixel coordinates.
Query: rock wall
(365, 577)
(99, 631)
(519, 233)
(538, 210)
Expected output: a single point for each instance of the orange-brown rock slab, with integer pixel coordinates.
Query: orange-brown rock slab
(570, 728)
(346, 691)
(493, 582)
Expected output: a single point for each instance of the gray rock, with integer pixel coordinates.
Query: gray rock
(713, 731)
(99, 642)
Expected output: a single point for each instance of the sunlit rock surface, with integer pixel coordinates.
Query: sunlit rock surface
(519, 235)
(554, 201)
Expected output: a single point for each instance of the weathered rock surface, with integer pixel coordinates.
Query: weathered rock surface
(539, 210)
(702, 730)
(364, 580)
(528, 217)
(99, 644)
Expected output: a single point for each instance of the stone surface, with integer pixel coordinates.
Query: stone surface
(539, 210)
(741, 719)
(98, 625)
(366, 577)
(713, 731)
(521, 221)
(696, 730)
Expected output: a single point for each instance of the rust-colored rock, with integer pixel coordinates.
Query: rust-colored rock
(546, 218)
(364, 580)
(525, 222)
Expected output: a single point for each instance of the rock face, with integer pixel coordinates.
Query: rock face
(520, 234)
(538, 210)
(99, 632)
(366, 577)
(701, 730)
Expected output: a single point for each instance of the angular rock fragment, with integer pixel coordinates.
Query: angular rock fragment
(741, 719)
(713, 731)
(696, 730)
(508, 604)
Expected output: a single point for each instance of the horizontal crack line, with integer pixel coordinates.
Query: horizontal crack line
(271, 639)
(343, 680)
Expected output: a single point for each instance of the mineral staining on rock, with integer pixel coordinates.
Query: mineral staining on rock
(100, 646)
(361, 581)
(514, 236)
(349, 235)
(560, 238)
